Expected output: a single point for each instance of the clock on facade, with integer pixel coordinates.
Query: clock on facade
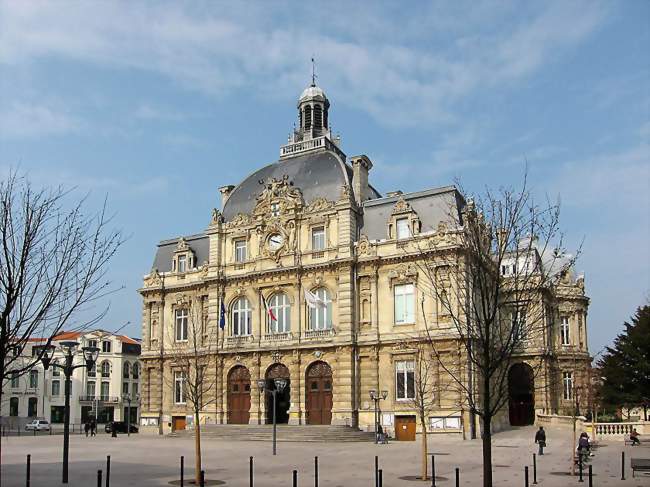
(275, 241)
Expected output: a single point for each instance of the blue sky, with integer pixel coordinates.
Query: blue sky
(157, 104)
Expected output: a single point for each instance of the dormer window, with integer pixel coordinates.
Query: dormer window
(182, 263)
(403, 229)
(275, 209)
(240, 250)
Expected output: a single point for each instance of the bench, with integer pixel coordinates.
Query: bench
(640, 464)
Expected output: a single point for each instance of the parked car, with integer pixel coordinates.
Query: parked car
(38, 425)
(120, 427)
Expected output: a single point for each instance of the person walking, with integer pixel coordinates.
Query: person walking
(540, 439)
(87, 427)
(93, 427)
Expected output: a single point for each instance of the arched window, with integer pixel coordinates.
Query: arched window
(320, 318)
(241, 317)
(318, 117)
(136, 371)
(307, 117)
(106, 369)
(125, 370)
(279, 318)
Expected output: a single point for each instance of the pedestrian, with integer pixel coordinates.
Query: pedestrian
(87, 427)
(540, 439)
(113, 429)
(93, 427)
(634, 437)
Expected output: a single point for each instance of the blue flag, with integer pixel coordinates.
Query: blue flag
(222, 320)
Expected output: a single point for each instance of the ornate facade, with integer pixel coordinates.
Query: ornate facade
(307, 273)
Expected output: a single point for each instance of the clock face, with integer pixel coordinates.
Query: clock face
(275, 241)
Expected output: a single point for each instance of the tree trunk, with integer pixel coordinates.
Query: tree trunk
(425, 472)
(197, 448)
(487, 451)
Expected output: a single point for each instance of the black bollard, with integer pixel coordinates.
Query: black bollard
(202, 479)
(29, 469)
(433, 471)
(457, 477)
(108, 470)
(250, 471)
(315, 471)
(591, 481)
(182, 470)
(526, 476)
(622, 465)
(294, 476)
(534, 468)
(381, 477)
(376, 471)
(99, 478)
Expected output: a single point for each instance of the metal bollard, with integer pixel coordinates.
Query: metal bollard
(591, 481)
(457, 477)
(99, 478)
(108, 470)
(526, 476)
(294, 475)
(182, 469)
(29, 469)
(316, 471)
(250, 471)
(381, 477)
(376, 471)
(622, 465)
(202, 478)
(433, 471)
(534, 468)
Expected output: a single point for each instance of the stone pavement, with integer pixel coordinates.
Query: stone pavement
(154, 461)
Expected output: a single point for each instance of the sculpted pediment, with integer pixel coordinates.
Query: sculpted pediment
(278, 197)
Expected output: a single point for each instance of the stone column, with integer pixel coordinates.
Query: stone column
(295, 411)
(343, 375)
(255, 416)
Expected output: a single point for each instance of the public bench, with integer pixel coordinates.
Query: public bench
(640, 464)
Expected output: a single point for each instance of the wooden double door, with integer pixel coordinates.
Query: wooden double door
(319, 394)
(239, 395)
(405, 428)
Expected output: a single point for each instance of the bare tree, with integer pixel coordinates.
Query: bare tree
(192, 359)
(492, 275)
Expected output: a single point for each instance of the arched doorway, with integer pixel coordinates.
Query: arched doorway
(521, 392)
(283, 400)
(319, 393)
(239, 395)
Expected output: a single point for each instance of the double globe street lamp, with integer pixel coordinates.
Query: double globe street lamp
(69, 349)
(280, 384)
(376, 398)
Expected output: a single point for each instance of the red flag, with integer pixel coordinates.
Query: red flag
(269, 310)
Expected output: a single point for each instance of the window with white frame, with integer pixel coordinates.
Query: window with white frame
(403, 228)
(56, 372)
(181, 324)
(106, 346)
(93, 370)
(15, 380)
(90, 388)
(564, 330)
(404, 380)
(33, 379)
(241, 317)
(125, 388)
(404, 304)
(320, 318)
(567, 382)
(275, 209)
(56, 388)
(241, 250)
(444, 422)
(281, 309)
(179, 387)
(519, 323)
(106, 368)
(126, 369)
(92, 343)
(105, 389)
(136, 371)
(182, 263)
(318, 238)
(134, 389)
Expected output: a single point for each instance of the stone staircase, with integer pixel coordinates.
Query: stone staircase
(264, 432)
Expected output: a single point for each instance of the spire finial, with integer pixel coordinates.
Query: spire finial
(313, 71)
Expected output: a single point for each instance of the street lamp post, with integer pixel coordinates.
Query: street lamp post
(376, 398)
(69, 349)
(128, 399)
(280, 384)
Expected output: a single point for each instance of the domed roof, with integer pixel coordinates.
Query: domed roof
(312, 92)
(317, 175)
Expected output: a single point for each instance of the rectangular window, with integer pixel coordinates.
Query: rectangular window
(182, 263)
(318, 238)
(106, 346)
(90, 388)
(564, 330)
(181, 325)
(567, 382)
(125, 388)
(92, 343)
(403, 229)
(179, 387)
(105, 390)
(405, 380)
(93, 370)
(33, 379)
(56, 387)
(56, 372)
(240, 251)
(404, 304)
(519, 324)
(15, 380)
(134, 389)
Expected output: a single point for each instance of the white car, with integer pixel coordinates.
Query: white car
(38, 425)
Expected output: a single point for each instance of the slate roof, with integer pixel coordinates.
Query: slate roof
(200, 244)
(432, 206)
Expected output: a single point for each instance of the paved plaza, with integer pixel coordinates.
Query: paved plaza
(154, 461)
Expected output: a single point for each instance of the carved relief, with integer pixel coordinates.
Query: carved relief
(319, 204)
(240, 220)
(346, 193)
(277, 197)
(153, 279)
(402, 274)
(364, 247)
(216, 217)
(182, 245)
(401, 206)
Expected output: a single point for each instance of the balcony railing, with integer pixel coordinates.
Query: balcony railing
(235, 341)
(278, 337)
(307, 145)
(104, 399)
(318, 334)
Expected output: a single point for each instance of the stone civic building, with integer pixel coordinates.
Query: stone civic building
(313, 275)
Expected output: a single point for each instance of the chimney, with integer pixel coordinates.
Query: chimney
(360, 167)
(225, 194)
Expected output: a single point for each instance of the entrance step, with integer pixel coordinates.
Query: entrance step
(264, 432)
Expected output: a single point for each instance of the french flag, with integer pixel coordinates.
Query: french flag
(269, 310)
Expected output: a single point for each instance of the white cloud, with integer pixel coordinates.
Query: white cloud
(24, 120)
